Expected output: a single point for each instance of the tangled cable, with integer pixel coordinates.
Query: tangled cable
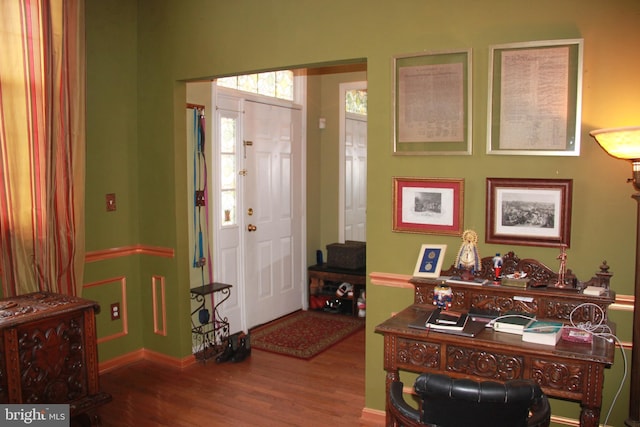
(603, 331)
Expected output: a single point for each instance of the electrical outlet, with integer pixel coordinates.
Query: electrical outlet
(115, 311)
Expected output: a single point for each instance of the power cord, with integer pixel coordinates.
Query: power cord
(603, 331)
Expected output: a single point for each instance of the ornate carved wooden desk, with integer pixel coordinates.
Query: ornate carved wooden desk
(48, 353)
(567, 371)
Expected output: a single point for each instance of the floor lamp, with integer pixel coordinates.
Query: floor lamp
(624, 143)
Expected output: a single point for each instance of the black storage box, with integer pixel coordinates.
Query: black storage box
(350, 255)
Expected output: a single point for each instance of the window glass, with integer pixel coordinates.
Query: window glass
(228, 206)
(228, 173)
(227, 135)
(356, 101)
(277, 84)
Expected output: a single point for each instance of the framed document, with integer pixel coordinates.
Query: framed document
(432, 98)
(535, 98)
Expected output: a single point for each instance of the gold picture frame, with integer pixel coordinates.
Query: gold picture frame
(432, 103)
(535, 98)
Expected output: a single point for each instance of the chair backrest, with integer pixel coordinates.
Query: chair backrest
(449, 402)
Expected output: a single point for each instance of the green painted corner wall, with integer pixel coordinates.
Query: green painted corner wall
(137, 63)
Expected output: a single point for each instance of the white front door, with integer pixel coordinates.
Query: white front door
(272, 212)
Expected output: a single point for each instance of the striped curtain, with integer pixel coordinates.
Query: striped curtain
(42, 137)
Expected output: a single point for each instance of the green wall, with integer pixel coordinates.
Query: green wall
(140, 54)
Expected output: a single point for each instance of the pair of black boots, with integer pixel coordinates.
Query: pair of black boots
(237, 349)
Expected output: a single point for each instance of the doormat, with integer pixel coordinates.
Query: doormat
(304, 334)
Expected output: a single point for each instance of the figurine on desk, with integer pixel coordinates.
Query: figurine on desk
(442, 297)
(497, 266)
(468, 258)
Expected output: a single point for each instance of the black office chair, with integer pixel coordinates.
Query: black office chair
(448, 402)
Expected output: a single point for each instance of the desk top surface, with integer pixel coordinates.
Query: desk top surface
(600, 350)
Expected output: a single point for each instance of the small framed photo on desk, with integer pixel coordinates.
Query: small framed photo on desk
(430, 260)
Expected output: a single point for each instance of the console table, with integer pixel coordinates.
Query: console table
(567, 371)
(48, 353)
(320, 276)
(211, 331)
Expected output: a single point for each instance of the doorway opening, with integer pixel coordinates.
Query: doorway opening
(297, 172)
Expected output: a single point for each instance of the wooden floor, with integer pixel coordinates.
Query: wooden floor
(264, 390)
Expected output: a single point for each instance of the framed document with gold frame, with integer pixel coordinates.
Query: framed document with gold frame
(432, 100)
(535, 98)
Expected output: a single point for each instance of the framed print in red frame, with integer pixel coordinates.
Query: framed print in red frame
(529, 212)
(428, 205)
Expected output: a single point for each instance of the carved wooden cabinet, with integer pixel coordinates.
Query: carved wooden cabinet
(48, 353)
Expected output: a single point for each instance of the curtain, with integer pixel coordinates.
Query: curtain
(42, 146)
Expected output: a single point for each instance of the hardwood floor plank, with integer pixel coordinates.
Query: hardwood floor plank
(266, 389)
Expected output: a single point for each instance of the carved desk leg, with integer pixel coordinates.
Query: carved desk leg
(592, 400)
(392, 375)
(589, 417)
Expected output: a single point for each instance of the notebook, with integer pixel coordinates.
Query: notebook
(471, 329)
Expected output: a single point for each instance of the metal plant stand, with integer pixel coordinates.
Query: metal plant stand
(210, 330)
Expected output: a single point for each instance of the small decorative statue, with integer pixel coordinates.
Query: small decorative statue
(497, 266)
(468, 258)
(563, 267)
(442, 296)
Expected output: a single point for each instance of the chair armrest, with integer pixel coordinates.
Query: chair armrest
(540, 413)
(399, 405)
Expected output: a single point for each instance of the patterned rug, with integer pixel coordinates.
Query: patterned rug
(304, 334)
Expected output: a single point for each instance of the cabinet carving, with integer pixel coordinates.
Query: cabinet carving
(48, 353)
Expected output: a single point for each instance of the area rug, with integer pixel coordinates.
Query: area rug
(304, 334)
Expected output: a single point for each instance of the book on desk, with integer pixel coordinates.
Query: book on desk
(447, 320)
(513, 323)
(426, 321)
(544, 332)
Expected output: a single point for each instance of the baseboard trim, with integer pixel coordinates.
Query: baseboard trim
(145, 354)
(373, 417)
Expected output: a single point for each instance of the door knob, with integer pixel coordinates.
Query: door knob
(251, 227)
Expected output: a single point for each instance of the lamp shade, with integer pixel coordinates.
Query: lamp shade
(623, 143)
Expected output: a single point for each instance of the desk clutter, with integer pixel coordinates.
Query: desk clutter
(525, 325)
